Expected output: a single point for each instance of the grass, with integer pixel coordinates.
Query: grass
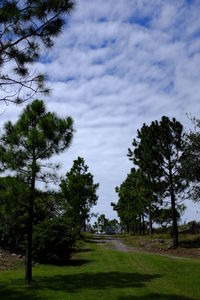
(190, 240)
(100, 273)
(185, 240)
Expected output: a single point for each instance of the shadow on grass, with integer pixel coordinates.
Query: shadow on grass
(73, 283)
(76, 282)
(84, 250)
(78, 262)
(153, 296)
(70, 262)
(14, 293)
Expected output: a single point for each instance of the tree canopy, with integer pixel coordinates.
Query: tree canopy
(158, 152)
(191, 161)
(130, 206)
(26, 28)
(25, 148)
(79, 193)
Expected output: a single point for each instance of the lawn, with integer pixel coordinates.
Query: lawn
(99, 273)
(185, 240)
(189, 244)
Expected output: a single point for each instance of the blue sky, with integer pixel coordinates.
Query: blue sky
(117, 65)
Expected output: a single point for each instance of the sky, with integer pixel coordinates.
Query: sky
(117, 65)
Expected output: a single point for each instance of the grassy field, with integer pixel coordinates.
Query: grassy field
(189, 244)
(185, 240)
(100, 273)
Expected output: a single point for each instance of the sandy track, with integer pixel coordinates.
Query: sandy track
(112, 242)
(115, 243)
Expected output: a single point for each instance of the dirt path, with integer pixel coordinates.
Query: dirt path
(114, 243)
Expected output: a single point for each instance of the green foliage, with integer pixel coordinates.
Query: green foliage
(79, 193)
(24, 146)
(26, 27)
(132, 203)
(13, 213)
(158, 153)
(36, 136)
(46, 206)
(158, 156)
(163, 216)
(125, 206)
(53, 237)
(191, 161)
(53, 241)
(101, 223)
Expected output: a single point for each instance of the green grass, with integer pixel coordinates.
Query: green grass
(185, 240)
(98, 273)
(190, 240)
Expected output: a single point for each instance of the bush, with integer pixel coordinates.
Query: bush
(53, 241)
(13, 217)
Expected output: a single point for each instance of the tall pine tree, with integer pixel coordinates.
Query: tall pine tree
(25, 145)
(158, 152)
(79, 193)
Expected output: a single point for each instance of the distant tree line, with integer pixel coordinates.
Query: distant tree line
(166, 171)
(104, 225)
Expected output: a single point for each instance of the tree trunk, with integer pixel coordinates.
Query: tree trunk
(134, 226)
(28, 268)
(143, 225)
(150, 220)
(127, 227)
(173, 207)
(84, 225)
(140, 224)
(174, 220)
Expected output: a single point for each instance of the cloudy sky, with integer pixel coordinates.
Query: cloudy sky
(117, 65)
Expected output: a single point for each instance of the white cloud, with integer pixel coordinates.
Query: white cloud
(117, 65)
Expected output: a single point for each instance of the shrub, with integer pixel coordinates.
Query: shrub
(53, 241)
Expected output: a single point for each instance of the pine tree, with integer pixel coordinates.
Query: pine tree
(158, 153)
(191, 161)
(79, 193)
(34, 138)
(131, 203)
(26, 27)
